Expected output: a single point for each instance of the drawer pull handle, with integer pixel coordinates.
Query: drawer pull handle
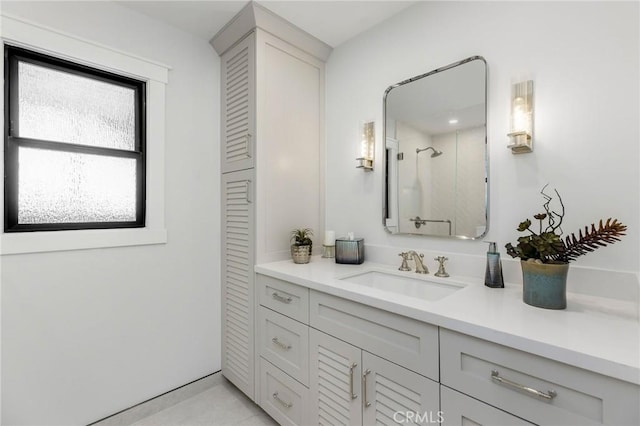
(281, 298)
(549, 395)
(364, 387)
(285, 404)
(280, 344)
(351, 368)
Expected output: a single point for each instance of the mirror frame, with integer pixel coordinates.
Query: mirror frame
(385, 157)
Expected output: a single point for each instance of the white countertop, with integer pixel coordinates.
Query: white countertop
(592, 333)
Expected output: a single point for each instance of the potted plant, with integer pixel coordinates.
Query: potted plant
(301, 245)
(545, 255)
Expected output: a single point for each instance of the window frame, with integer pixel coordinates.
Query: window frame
(33, 36)
(12, 56)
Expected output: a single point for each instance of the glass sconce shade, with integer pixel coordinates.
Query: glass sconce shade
(367, 146)
(521, 125)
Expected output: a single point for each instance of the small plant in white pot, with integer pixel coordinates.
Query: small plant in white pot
(301, 245)
(545, 255)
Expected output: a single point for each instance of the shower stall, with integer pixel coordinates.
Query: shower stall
(442, 188)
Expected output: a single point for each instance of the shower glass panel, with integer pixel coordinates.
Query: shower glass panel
(451, 185)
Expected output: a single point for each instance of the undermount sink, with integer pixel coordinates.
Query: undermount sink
(403, 284)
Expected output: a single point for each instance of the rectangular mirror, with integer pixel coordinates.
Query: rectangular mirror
(436, 168)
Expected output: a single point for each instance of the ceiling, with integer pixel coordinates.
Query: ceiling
(333, 22)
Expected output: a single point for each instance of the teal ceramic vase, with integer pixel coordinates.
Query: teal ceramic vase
(544, 285)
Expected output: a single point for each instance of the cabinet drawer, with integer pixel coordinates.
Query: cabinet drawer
(284, 399)
(285, 343)
(538, 389)
(460, 410)
(281, 296)
(404, 341)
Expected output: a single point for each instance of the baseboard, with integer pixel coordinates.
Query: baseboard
(154, 405)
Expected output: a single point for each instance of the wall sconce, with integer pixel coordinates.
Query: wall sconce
(521, 133)
(367, 146)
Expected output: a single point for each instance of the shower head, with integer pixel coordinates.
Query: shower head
(434, 154)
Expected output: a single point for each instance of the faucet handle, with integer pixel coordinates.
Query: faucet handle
(405, 265)
(441, 272)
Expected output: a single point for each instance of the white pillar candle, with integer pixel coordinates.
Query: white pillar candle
(329, 238)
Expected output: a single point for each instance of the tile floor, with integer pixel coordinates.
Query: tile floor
(220, 405)
(210, 401)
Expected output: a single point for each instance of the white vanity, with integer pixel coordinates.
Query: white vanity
(333, 351)
(323, 343)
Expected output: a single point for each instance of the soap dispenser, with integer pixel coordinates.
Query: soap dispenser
(493, 275)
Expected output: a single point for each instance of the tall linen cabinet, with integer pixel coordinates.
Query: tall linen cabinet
(272, 164)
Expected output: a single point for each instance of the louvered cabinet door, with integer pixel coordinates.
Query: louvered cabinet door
(393, 394)
(334, 382)
(238, 106)
(237, 280)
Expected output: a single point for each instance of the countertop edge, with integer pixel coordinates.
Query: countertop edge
(596, 364)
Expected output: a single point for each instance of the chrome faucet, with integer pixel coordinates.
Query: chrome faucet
(417, 258)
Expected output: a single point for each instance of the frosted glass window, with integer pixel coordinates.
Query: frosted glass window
(75, 141)
(63, 107)
(63, 187)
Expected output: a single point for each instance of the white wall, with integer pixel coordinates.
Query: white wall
(584, 60)
(88, 333)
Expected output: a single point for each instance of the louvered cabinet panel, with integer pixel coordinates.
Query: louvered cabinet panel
(334, 381)
(392, 394)
(238, 106)
(237, 280)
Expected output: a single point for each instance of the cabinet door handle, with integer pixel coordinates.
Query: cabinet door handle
(364, 387)
(247, 141)
(549, 395)
(285, 404)
(248, 191)
(278, 343)
(282, 299)
(351, 368)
